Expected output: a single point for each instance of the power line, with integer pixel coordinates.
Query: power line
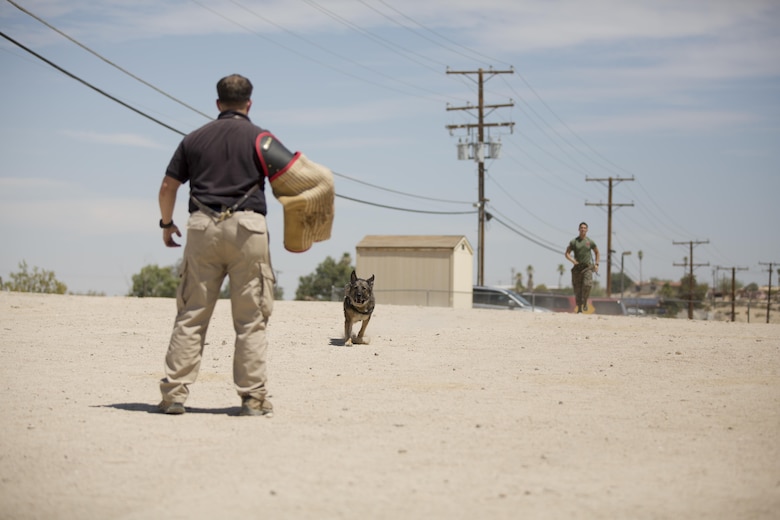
(360, 201)
(510, 228)
(106, 60)
(85, 83)
(439, 35)
(366, 33)
(525, 233)
(393, 47)
(137, 111)
(307, 57)
(401, 192)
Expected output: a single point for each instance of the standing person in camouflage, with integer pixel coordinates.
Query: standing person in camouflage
(578, 253)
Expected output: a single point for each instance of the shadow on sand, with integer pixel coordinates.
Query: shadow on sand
(152, 408)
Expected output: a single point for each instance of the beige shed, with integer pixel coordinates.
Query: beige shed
(430, 270)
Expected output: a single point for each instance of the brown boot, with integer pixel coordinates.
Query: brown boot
(253, 406)
(171, 408)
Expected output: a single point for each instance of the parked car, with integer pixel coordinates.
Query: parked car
(613, 306)
(553, 302)
(567, 303)
(498, 298)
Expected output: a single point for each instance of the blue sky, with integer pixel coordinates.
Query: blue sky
(683, 97)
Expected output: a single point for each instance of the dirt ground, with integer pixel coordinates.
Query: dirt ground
(447, 414)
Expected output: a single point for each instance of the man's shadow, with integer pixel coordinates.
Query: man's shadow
(152, 408)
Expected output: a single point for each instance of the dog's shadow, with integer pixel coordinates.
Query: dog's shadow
(152, 408)
(341, 342)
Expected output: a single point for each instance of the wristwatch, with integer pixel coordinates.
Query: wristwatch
(166, 226)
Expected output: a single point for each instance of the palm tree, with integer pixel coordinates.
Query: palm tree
(639, 255)
(561, 271)
(518, 282)
(530, 271)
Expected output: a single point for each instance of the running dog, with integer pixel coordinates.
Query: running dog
(358, 306)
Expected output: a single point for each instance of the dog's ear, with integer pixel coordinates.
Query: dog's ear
(353, 277)
(371, 281)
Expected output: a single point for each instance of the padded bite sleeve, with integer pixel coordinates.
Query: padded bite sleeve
(306, 191)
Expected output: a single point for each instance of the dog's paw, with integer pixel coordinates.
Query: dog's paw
(365, 340)
(348, 342)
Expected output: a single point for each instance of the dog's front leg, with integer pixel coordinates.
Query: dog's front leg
(360, 340)
(347, 333)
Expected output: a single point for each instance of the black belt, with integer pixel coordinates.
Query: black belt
(221, 212)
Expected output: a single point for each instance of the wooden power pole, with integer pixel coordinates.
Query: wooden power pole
(611, 181)
(733, 287)
(479, 154)
(769, 292)
(691, 265)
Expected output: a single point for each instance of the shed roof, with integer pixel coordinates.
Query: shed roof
(413, 241)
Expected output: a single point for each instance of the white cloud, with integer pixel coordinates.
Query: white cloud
(668, 121)
(135, 140)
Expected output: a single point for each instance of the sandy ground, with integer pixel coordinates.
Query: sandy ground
(447, 414)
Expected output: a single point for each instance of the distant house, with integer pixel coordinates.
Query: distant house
(429, 270)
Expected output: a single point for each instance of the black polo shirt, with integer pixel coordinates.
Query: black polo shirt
(221, 164)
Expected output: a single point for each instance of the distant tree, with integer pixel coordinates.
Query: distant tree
(699, 291)
(724, 285)
(319, 285)
(616, 279)
(561, 272)
(530, 271)
(676, 298)
(519, 287)
(37, 281)
(597, 291)
(672, 305)
(157, 282)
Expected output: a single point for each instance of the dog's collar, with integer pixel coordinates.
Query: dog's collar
(351, 306)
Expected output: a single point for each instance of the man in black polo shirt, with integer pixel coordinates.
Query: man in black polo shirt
(226, 162)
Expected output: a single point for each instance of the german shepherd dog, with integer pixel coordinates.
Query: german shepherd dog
(358, 306)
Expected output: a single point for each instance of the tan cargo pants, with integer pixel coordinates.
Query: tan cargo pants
(238, 248)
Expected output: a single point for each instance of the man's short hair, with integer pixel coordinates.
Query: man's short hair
(582, 224)
(234, 89)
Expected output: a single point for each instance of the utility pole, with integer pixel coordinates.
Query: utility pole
(691, 243)
(478, 149)
(733, 286)
(769, 292)
(611, 181)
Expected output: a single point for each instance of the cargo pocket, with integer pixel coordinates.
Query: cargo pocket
(181, 290)
(267, 282)
(252, 222)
